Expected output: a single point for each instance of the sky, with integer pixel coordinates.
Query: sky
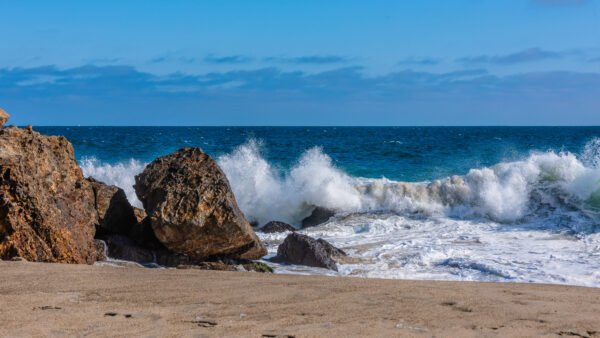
(194, 63)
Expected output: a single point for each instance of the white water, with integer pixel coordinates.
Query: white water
(533, 220)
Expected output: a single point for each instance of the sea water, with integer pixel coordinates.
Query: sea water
(514, 204)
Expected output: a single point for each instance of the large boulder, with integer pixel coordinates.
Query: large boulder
(276, 226)
(304, 250)
(47, 209)
(192, 210)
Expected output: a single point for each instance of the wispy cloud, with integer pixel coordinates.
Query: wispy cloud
(229, 59)
(527, 55)
(115, 90)
(309, 59)
(419, 61)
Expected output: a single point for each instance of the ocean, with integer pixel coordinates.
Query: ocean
(508, 204)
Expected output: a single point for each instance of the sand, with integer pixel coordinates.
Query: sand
(39, 299)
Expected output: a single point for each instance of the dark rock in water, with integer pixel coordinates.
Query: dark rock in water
(115, 213)
(192, 210)
(319, 215)
(47, 208)
(331, 250)
(276, 226)
(230, 266)
(122, 247)
(3, 118)
(304, 250)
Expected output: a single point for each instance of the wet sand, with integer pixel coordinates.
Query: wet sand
(39, 299)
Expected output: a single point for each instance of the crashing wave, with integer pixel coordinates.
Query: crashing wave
(539, 185)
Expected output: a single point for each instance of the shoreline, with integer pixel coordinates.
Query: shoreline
(39, 299)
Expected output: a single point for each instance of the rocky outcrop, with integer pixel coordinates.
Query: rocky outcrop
(47, 209)
(3, 118)
(305, 250)
(276, 226)
(318, 216)
(192, 210)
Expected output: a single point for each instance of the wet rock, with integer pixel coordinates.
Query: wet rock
(47, 208)
(276, 226)
(191, 208)
(305, 250)
(319, 215)
(3, 118)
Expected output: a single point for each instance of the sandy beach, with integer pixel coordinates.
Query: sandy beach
(40, 299)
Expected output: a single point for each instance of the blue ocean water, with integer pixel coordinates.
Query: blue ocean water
(513, 204)
(397, 153)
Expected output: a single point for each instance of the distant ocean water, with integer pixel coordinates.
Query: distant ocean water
(516, 204)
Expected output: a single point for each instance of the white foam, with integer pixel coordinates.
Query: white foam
(506, 192)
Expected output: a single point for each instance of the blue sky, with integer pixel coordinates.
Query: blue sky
(461, 62)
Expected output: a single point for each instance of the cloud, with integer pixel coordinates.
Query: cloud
(309, 59)
(527, 55)
(266, 96)
(419, 61)
(230, 59)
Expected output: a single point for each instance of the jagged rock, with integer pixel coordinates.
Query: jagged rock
(115, 213)
(304, 250)
(3, 118)
(276, 226)
(318, 216)
(191, 208)
(47, 210)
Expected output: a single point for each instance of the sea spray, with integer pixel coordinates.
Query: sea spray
(540, 184)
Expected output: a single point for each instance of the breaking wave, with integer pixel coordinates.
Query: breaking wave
(537, 186)
(549, 184)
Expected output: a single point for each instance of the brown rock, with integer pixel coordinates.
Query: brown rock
(115, 213)
(3, 118)
(47, 210)
(191, 207)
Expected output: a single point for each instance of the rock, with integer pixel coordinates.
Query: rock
(101, 250)
(276, 226)
(115, 213)
(3, 118)
(304, 250)
(122, 247)
(47, 208)
(191, 208)
(319, 215)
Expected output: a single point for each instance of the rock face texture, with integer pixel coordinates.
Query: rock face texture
(3, 118)
(305, 250)
(276, 226)
(47, 209)
(319, 215)
(192, 210)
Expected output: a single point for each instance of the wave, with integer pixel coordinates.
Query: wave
(557, 185)
(543, 184)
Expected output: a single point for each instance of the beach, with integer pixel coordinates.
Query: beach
(44, 299)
